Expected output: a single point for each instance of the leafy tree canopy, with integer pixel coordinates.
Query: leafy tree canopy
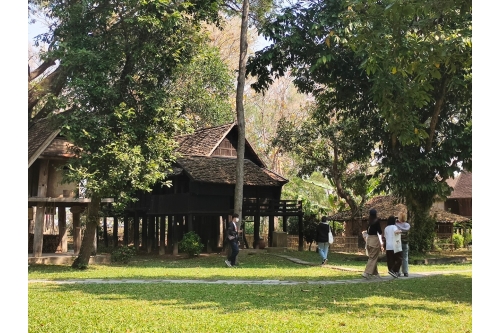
(394, 77)
(120, 66)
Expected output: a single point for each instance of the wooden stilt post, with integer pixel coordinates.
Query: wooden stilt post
(125, 229)
(157, 232)
(115, 231)
(301, 233)
(144, 244)
(271, 231)
(256, 226)
(136, 230)
(151, 232)
(162, 235)
(285, 218)
(175, 232)
(105, 231)
(63, 235)
(77, 232)
(43, 176)
(170, 233)
(38, 232)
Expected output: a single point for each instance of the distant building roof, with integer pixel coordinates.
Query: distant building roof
(462, 186)
(388, 205)
(40, 135)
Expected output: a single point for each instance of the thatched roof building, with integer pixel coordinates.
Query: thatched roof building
(389, 205)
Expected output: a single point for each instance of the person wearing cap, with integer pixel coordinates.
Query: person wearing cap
(373, 244)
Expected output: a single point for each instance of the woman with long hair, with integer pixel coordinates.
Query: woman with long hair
(373, 245)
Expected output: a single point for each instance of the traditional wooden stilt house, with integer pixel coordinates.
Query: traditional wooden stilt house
(47, 154)
(460, 200)
(201, 195)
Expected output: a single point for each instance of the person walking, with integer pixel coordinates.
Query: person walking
(373, 245)
(404, 226)
(232, 237)
(393, 248)
(322, 231)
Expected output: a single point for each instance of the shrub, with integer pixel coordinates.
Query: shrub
(458, 241)
(191, 244)
(467, 238)
(123, 254)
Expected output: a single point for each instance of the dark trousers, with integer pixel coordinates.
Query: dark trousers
(394, 260)
(235, 249)
(390, 259)
(398, 261)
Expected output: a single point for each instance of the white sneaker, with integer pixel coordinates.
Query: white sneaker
(366, 275)
(228, 263)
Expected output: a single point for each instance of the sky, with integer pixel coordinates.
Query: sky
(486, 113)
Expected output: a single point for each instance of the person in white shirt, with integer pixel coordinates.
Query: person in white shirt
(392, 245)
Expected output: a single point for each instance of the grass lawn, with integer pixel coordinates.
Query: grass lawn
(261, 266)
(431, 304)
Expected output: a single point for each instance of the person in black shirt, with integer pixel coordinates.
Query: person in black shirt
(374, 245)
(232, 237)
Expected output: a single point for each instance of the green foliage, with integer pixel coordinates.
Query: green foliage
(312, 191)
(191, 244)
(123, 254)
(422, 233)
(391, 80)
(125, 95)
(458, 241)
(203, 89)
(467, 238)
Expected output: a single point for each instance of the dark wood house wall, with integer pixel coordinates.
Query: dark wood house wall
(459, 206)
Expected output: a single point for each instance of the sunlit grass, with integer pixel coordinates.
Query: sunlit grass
(260, 266)
(431, 304)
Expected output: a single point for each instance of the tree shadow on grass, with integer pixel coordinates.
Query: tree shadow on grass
(250, 268)
(432, 294)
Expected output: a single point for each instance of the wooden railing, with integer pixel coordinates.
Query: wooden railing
(340, 244)
(272, 207)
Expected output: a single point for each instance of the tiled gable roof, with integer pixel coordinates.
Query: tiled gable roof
(40, 135)
(462, 186)
(202, 142)
(223, 171)
(388, 205)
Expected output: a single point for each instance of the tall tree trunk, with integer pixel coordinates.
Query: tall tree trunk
(423, 226)
(240, 114)
(82, 261)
